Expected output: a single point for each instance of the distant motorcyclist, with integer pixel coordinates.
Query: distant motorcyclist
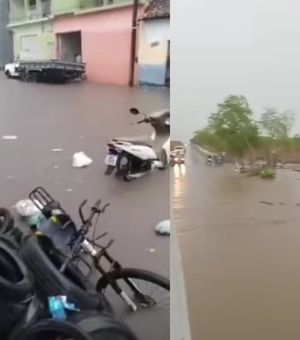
(209, 160)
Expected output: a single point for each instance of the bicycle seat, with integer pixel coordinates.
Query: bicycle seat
(142, 140)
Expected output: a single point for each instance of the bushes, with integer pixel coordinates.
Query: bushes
(267, 173)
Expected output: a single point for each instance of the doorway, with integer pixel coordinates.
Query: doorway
(168, 66)
(69, 46)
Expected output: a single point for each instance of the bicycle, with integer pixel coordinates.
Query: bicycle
(79, 245)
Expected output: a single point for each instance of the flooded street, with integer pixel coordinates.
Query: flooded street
(241, 257)
(82, 117)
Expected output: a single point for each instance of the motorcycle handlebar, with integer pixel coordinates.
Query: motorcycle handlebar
(145, 120)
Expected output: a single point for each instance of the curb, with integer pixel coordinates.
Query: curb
(179, 312)
(203, 151)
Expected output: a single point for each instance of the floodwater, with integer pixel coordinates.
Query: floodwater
(82, 117)
(241, 257)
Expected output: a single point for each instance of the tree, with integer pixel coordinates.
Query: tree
(208, 139)
(233, 122)
(278, 126)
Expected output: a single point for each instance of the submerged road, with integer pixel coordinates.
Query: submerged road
(241, 257)
(82, 117)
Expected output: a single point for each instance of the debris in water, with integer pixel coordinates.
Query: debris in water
(151, 250)
(10, 177)
(55, 166)
(265, 202)
(9, 137)
(297, 204)
(163, 228)
(69, 190)
(57, 150)
(281, 203)
(81, 160)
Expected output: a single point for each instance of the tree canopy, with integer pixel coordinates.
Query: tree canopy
(233, 122)
(233, 128)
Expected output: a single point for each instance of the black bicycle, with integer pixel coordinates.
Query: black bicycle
(147, 290)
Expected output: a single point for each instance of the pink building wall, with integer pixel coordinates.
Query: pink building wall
(106, 39)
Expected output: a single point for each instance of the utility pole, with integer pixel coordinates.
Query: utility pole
(133, 41)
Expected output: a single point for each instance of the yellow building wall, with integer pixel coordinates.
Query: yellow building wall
(151, 54)
(154, 37)
(45, 38)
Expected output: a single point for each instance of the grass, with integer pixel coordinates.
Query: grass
(267, 173)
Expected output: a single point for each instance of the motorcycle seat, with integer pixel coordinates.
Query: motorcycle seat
(145, 141)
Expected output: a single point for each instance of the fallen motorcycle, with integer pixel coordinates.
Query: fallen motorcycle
(133, 157)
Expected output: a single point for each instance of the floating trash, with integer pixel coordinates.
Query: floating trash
(163, 228)
(9, 137)
(81, 160)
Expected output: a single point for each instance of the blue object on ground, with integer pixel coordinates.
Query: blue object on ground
(58, 306)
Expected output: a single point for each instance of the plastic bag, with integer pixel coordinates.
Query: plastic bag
(81, 160)
(27, 208)
(163, 228)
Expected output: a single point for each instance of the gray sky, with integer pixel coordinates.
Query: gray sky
(221, 47)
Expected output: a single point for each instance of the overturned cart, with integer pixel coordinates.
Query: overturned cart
(50, 71)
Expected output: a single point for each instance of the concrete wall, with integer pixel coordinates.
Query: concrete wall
(153, 50)
(64, 6)
(17, 11)
(44, 36)
(6, 40)
(105, 38)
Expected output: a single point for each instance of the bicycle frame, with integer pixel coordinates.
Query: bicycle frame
(42, 199)
(115, 265)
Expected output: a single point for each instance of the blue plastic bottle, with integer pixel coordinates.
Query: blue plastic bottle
(57, 308)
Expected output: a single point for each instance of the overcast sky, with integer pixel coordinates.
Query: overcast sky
(221, 47)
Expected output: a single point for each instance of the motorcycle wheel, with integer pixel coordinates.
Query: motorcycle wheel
(109, 170)
(124, 165)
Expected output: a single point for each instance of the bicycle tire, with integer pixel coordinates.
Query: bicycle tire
(133, 273)
(44, 261)
(78, 327)
(101, 326)
(38, 330)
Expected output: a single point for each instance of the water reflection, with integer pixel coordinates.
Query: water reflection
(179, 170)
(241, 257)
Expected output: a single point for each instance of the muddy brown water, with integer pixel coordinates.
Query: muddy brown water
(82, 117)
(241, 257)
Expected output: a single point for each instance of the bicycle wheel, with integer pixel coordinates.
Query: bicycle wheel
(150, 294)
(141, 295)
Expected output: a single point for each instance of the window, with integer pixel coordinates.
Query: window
(110, 2)
(99, 3)
(32, 4)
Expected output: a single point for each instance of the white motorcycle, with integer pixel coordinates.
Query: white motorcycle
(134, 157)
